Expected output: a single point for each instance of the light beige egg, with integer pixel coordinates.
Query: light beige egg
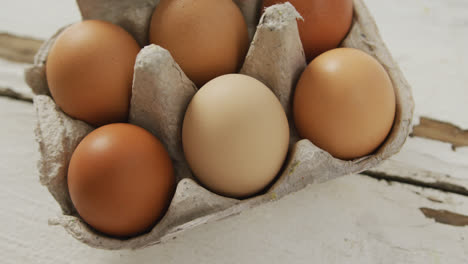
(235, 135)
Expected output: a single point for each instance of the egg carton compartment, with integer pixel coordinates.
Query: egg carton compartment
(161, 93)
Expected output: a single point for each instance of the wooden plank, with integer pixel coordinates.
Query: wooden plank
(434, 156)
(394, 170)
(428, 163)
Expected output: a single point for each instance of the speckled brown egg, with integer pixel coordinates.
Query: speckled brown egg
(120, 179)
(90, 71)
(344, 103)
(207, 38)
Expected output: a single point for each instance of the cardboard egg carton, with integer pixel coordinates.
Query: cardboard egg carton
(161, 93)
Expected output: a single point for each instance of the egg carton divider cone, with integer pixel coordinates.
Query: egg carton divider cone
(275, 57)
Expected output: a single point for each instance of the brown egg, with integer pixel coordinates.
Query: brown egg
(207, 38)
(90, 71)
(325, 24)
(235, 135)
(344, 103)
(120, 179)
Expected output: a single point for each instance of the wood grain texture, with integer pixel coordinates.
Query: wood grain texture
(442, 131)
(445, 217)
(18, 49)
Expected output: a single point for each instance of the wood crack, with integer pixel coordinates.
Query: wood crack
(437, 185)
(8, 92)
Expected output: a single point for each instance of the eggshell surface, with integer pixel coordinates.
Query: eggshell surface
(325, 24)
(207, 38)
(90, 71)
(344, 103)
(235, 135)
(120, 179)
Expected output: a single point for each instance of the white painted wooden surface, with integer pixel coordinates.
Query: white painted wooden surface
(355, 219)
(11, 76)
(39, 19)
(428, 38)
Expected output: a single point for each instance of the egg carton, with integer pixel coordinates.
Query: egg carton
(161, 93)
